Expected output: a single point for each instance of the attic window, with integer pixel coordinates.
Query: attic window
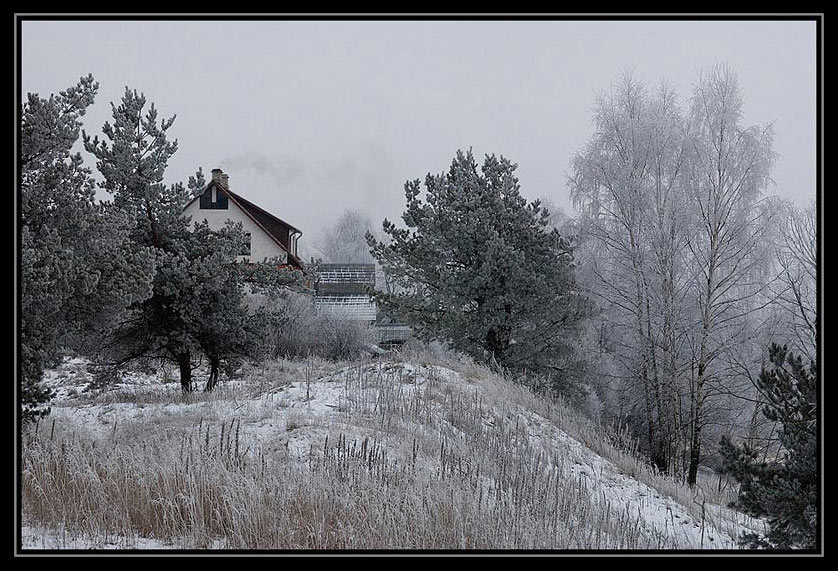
(213, 199)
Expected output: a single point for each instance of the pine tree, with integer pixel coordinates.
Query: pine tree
(133, 164)
(784, 491)
(228, 325)
(198, 302)
(76, 277)
(197, 183)
(479, 271)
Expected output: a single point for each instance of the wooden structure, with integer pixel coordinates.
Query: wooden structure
(343, 290)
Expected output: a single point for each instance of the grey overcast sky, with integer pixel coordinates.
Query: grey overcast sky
(310, 118)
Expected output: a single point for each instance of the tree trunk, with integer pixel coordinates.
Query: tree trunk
(659, 452)
(703, 361)
(676, 439)
(185, 366)
(497, 342)
(213, 376)
(695, 444)
(695, 456)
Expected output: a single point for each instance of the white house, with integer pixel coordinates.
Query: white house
(269, 236)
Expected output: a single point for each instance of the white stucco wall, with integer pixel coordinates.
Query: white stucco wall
(261, 245)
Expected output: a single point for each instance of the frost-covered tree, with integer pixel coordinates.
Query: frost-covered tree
(197, 184)
(559, 219)
(797, 260)
(675, 246)
(230, 324)
(627, 185)
(344, 241)
(197, 305)
(478, 270)
(77, 273)
(783, 490)
(729, 168)
(132, 159)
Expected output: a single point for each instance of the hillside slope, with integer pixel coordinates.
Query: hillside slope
(394, 454)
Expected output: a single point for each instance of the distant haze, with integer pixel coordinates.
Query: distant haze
(311, 118)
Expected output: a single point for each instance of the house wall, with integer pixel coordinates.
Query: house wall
(261, 245)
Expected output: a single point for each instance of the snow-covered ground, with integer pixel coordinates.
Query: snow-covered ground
(299, 412)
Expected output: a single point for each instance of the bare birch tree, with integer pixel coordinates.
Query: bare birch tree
(729, 169)
(344, 241)
(626, 184)
(797, 260)
(675, 243)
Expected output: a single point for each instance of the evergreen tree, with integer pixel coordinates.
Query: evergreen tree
(76, 275)
(197, 183)
(133, 166)
(477, 269)
(229, 322)
(197, 305)
(785, 491)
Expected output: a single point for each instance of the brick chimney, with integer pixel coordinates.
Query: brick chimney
(225, 180)
(217, 174)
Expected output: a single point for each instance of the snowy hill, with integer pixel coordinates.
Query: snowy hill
(381, 455)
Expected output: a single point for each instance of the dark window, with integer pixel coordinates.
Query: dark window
(245, 251)
(220, 203)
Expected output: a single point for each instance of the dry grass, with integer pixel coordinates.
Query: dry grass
(400, 466)
(353, 496)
